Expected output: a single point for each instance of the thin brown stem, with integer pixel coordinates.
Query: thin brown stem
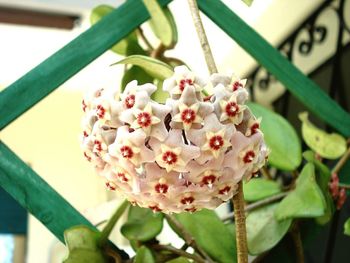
(159, 52)
(258, 204)
(241, 232)
(341, 162)
(144, 38)
(189, 240)
(295, 233)
(202, 36)
(345, 186)
(179, 252)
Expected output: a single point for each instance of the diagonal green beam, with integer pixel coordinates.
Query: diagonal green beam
(37, 196)
(310, 94)
(51, 73)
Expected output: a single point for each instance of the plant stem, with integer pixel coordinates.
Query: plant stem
(238, 200)
(111, 223)
(258, 204)
(159, 52)
(179, 252)
(189, 240)
(202, 36)
(341, 162)
(241, 232)
(346, 186)
(295, 233)
(144, 39)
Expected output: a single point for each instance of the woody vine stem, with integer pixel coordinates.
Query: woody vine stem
(238, 199)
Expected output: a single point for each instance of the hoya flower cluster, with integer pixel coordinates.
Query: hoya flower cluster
(184, 155)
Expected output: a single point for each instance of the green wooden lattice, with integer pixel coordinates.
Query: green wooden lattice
(31, 191)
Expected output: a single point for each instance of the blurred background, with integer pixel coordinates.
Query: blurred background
(47, 136)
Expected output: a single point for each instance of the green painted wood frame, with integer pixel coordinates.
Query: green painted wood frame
(34, 193)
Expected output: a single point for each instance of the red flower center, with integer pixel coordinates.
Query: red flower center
(122, 177)
(129, 101)
(236, 86)
(100, 111)
(187, 200)
(225, 190)
(254, 128)
(209, 179)
(191, 210)
(216, 142)
(155, 208)
(188, 116)
(161, 188)
(249, 157)
(98, 145)
(169, 157)
(231, 109)
(144, 119)
(183, 83)
(111, 186)
(126, 152)
(85, 134)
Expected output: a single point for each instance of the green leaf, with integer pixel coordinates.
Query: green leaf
(123, 46)
(162, 22)
(160, 95)
(210, 234)
(136, 73)
(85, 256)
(263, 230)
(142, 224)
(259, 188)
(323, 177)
(280, 137)
(306, 200)
(153, 67)
(82, 244)
(144, 255)
(327, 145)
(248, 2)
(347, 227)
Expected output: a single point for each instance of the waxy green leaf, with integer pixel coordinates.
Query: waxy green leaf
(142, 224)
(136, 73)
(162, 22)
(153, 67)
(259, 188)
(280, 137)
(347, 227)
(160, 95)
(144, 255)
(248, 2)
(327, 145)
(323, 176)
(211, 234)
(123, 47)
(82, 244)
(306, 200)
(263, 230)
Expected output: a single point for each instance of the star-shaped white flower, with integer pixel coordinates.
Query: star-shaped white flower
(181, 79)
(213, 138)
(130, 145)
(188, 112)
(148, 116)
(173, 154)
